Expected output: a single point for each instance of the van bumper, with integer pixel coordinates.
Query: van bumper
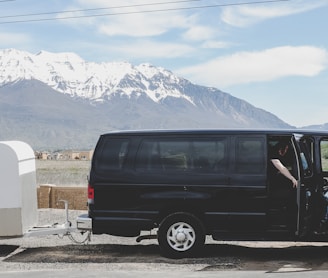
(84, 222)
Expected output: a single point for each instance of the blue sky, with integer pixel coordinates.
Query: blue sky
(273, 55)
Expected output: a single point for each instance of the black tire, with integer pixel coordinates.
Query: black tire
(181, 235)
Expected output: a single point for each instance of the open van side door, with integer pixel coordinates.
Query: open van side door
(304, 178)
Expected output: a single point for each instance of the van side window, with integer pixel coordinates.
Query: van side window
(176, 155)
(163, 155)
(324, 155)
(210, 155)
(250, 155)
(113, 154)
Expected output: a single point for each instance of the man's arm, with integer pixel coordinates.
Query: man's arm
(283, 170)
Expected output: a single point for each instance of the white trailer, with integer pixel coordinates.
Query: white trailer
(18, 198)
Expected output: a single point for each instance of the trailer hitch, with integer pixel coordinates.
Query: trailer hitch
(65, 229)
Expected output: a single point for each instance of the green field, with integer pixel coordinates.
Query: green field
(62, 173)
(325, 165)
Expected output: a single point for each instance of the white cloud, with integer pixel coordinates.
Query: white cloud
(199, 33)
(9, 39)
(150, 49)
(131, 18)
(216, 44)
(139, 25)
(242, 16)
(267, 65)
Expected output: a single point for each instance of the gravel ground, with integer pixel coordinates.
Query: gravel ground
(54, 252)
(119, 253)
(51, 216)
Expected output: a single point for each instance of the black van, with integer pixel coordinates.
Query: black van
(193, 183)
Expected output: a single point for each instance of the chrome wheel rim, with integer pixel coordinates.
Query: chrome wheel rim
(181, 236)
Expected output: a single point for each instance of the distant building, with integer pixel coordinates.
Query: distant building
(42, 155)
(86, 155)
(77, 155)
(65, 155)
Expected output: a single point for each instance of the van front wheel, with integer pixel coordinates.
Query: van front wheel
(181, 235)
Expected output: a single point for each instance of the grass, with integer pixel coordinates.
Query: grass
(325, 165)
(324, 154)
(62, 173)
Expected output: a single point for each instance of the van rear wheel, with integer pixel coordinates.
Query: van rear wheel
(181, 235)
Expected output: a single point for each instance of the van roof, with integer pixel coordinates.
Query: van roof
(217, 131)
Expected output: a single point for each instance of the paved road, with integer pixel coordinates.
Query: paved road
(159, 274)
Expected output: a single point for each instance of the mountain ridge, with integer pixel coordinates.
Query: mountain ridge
(67, 102)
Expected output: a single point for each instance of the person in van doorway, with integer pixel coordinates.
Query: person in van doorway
(323, 227)
(326, 214)
(282, 182)
(277, 158)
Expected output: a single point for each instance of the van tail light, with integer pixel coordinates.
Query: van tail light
(91, 194)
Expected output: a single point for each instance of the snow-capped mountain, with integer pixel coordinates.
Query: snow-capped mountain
(61, 101)
(68, 73)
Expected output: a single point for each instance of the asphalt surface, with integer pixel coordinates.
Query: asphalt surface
(152, 274)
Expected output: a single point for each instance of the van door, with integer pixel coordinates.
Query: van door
(305, 180)
(283, 213)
